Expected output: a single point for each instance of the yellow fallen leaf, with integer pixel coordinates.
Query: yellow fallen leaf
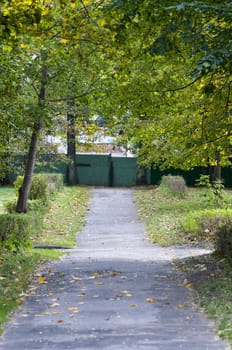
(42, 279)
(96, 274)
(99, 283)
(151, 300)
(180, 306)
(113, 273)
(133, 305)
(181, 284)
(75, 309)
(56, 313)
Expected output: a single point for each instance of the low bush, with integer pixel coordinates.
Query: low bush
(213, 192)
(18, 230)
(223, 238)
(32, 205)
(38, 187)
(15, 231)
(174, 184)
(43, 186)
(55, 182)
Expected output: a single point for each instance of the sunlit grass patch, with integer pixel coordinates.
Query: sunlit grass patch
(176, 220)
(6, 194)
(65, 218)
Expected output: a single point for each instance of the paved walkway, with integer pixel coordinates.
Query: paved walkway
(116, 291)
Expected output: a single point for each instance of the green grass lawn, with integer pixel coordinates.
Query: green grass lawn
(171, 220)
(174, 220)
(6, 195)
(63, 220)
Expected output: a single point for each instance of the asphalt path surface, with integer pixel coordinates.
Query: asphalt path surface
(114, 291)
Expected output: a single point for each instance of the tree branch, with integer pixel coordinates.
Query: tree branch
(178, 88)
(71, 98)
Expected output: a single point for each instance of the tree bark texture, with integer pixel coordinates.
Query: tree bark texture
(71, 149)
(30, 163)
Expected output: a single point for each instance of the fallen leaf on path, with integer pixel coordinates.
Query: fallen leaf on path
(59, 321)
(74, 309)
(95, 274)
(75, 278)
(133, 305)
(113, 273)
(99, 283)
(181, 285)
(160, 276)
(188, 285)
(53, 305)
(151, 300)
(42, 280)
(181, 306)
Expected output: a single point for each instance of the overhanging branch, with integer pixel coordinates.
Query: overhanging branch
(178, 88)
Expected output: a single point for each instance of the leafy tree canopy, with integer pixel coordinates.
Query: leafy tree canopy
(173, 79)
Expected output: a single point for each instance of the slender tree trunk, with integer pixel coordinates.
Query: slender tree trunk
(217, 168)
(71, 148)
(29, 169)
(30, 163)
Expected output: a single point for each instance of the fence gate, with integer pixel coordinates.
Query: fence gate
(106, 170)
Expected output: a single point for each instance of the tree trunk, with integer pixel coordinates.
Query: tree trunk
(71, 149)
(29, 169)
(30, 163)
(217, 168)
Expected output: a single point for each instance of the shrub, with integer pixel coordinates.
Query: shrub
(38, 187)
(174, 184)
(223, 238)
(33, 205)
(214, 192)
(10, 206)
(54, 182)
(42, 186)
(15, 231)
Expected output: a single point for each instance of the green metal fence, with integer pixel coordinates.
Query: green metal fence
(107, 170)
